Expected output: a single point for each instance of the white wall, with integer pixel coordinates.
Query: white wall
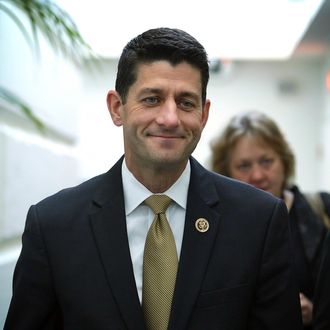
(324, 167)
(32, 165)
(256, 85)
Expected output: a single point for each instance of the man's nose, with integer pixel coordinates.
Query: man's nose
(168, 114)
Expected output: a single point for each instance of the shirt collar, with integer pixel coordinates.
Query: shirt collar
(135, 192)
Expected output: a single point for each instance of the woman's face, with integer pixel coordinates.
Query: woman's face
(256, 163)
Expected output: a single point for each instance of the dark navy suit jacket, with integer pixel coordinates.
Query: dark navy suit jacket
(321, 319)
(75, 270)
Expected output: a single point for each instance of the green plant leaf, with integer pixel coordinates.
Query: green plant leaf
(55, 24)
(17, 102)
(58, 28)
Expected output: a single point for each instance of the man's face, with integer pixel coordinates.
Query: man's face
(163, 116)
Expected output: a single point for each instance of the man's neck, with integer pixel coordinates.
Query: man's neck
(157, 179)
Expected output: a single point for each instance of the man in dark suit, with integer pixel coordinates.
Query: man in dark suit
(321, 317)
(225, 262)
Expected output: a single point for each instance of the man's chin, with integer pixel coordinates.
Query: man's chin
(168, 159)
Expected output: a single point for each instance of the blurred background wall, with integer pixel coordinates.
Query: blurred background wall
(82, 141)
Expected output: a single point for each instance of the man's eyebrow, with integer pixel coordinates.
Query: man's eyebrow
(149, 90)
(153, 90)
(190, 94)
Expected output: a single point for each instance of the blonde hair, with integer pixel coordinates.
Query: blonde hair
(260, 126)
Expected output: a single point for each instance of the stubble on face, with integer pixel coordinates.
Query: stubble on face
(162, 136)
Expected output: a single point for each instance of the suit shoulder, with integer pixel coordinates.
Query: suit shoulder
(237, 189)
(229, 190)
(325, 196)
(73, 195)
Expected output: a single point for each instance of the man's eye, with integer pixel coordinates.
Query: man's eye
(151, 100)
(186, 105)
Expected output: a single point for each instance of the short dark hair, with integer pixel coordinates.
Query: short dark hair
(172, 45)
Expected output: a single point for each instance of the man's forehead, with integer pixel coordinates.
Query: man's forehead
(158, 70)
(145, 65)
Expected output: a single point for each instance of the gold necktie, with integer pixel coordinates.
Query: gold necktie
(160, 264)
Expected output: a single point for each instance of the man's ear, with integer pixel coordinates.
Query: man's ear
(114, 104)
(205, 115)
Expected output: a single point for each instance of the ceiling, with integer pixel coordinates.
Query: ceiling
(228, 29)
(316, 39)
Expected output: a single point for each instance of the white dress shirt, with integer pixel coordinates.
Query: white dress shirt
(139, 216)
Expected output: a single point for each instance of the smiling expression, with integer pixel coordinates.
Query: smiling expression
(163, 116)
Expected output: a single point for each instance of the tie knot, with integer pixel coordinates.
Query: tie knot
(158, 203)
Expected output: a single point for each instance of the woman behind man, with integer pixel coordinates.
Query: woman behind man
(253, 149)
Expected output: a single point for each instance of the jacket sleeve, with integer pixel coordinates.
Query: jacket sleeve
(276, 303)
(33, 304)
(326, 202)
(321, 319)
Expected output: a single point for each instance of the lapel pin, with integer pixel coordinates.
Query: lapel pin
(202, 225)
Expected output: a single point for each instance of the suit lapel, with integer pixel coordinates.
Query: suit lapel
(311, 228)
(108, 224)
(107, 218)
(196, 246)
